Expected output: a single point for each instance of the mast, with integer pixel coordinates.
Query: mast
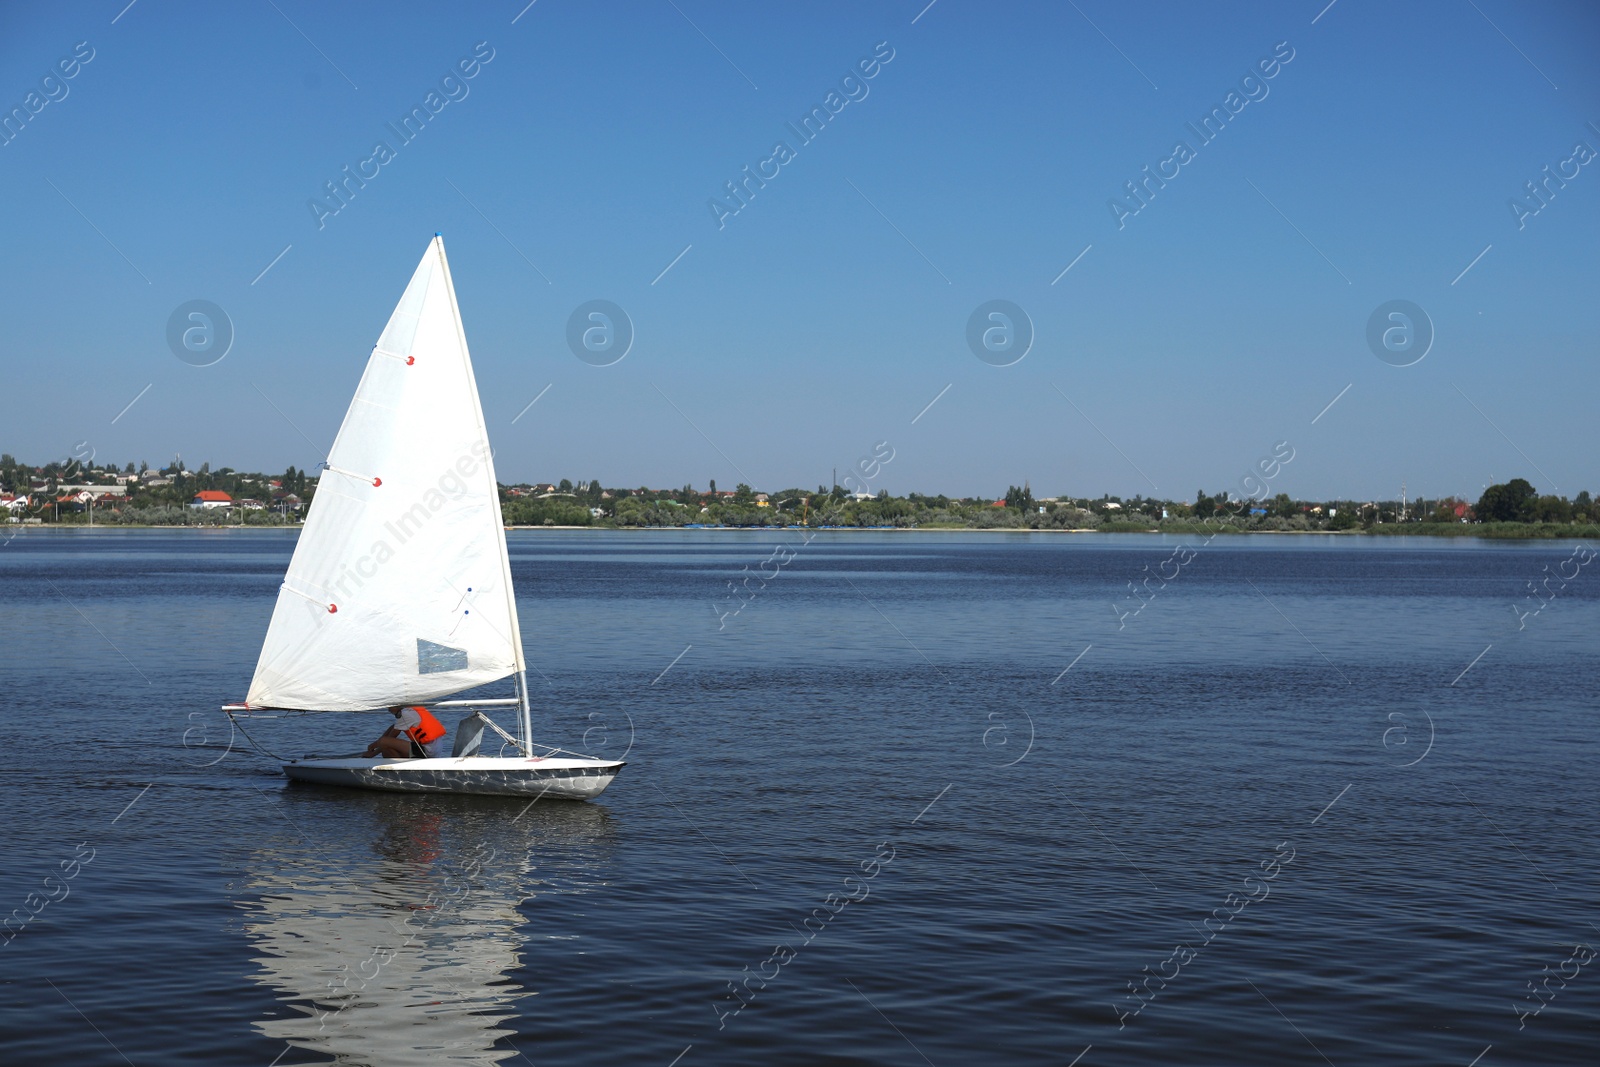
(525, 717)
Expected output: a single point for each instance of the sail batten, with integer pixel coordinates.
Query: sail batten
(409, 549)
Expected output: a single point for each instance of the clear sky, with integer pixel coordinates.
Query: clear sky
(774, 344)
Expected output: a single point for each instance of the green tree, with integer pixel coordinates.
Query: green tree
(1551, 509)
(1509, 502)
(1345, 519)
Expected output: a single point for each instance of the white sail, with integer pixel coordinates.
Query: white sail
(400, 586)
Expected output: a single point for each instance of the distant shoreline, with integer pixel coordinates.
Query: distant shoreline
(1498, 531)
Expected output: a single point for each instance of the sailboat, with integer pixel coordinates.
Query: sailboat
(399, 591)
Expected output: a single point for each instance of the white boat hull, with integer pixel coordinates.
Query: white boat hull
(555, 778)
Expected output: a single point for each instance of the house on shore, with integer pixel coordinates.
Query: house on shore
(209, 499)
(99, 491)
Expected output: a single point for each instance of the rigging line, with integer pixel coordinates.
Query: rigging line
(287, 419)
(253, 743)
(496, 728)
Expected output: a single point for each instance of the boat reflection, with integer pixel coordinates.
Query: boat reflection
(389, 925)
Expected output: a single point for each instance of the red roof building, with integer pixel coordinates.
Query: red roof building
(211, 498)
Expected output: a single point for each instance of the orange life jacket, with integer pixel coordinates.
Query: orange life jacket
(430, 729)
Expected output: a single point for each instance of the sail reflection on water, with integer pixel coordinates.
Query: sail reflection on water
(390, 929)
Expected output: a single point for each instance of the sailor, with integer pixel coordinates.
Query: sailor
(413, 736)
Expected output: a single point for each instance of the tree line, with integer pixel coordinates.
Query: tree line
(1513, 508)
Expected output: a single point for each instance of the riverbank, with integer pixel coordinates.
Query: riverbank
(1497, 531)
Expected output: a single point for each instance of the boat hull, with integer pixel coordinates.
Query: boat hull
(550, 778)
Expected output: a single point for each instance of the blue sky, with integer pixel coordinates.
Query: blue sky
(824, 316)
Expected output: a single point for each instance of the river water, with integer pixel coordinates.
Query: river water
(924, 797)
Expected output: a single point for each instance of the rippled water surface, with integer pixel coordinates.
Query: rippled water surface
(944, 798)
